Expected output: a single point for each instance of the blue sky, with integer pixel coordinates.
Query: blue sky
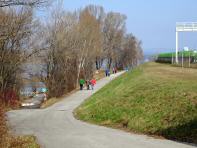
(151, 21)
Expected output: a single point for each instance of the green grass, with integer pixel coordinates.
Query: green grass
(153, 99)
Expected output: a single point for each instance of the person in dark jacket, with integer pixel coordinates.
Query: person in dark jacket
(106, 72)
(88, 84)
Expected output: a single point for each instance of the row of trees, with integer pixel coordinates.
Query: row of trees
(80, 42)
(70, 45)
(17, 37)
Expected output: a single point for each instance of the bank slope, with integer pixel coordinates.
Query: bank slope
(153, 99)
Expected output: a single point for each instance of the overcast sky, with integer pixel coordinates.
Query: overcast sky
(151, 21)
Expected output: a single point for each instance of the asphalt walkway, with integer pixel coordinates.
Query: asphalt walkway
(55, 127)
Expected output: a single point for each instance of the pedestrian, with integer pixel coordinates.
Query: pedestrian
(93, 83)
(106, 72)
(44, 91)
(81, 83)
(113, 70)
(88, 84)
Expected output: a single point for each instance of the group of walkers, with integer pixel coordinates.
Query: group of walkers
(89, 84)
(107, 71)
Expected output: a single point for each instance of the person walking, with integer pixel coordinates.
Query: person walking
(93, 82)
(88, 84)
(106, 72)
(81, 83)
(113, 70)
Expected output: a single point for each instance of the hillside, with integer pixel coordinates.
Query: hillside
(154, 99)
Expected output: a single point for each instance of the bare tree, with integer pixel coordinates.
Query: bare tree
(15, 31)
(113, 31)
(74, 40)
(90, 42)
(131, 52)
(99, 13)
(60, 58)
(96, 11)
(31, 3)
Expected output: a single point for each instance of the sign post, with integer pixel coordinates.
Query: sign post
(183, 27)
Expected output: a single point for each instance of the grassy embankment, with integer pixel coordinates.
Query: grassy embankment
(9, 141)
(153, 99)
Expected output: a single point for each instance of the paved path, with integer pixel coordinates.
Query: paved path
(55, 127)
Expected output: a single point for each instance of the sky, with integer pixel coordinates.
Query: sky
(151, 21)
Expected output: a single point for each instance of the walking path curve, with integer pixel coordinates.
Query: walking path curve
(55, 127)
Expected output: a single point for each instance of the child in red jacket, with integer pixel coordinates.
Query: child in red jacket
(92, 82)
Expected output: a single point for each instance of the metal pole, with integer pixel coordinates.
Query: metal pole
(182, 58)
(189, 59)
(177, 46)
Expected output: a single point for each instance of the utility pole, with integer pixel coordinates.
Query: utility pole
(182, 58)
(177, 47)
(172, 59)
(189, 59)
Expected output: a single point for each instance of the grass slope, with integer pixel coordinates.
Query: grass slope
(154, 99)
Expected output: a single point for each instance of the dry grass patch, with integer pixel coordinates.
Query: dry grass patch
(9, 141)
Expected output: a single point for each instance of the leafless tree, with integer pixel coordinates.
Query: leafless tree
(31, 3)
(113, 31)
(96, 11)
(68, 45)
(90, 38)
(99, 13)
(15, 49)
(131, 52)
(74, 41)
(60, 58)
